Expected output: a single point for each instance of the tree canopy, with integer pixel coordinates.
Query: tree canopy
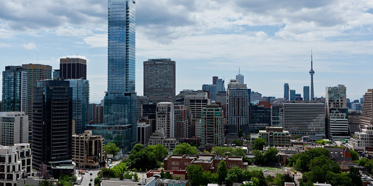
(111, 148)
(258, 144)
(227, 151)
(185, 148)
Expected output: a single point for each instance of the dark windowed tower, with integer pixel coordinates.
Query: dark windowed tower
(52, 124)
(14, 97)
(73, 68)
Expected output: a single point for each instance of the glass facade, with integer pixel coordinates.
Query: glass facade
(80, 88)
(14, 89)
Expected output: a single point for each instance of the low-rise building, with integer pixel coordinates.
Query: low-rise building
(15, 163)
(176, 174)
(208, 162)
(275, 136)
(158, 137)
(168, 182)
(88, 149)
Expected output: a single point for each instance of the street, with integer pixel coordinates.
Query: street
(87, 177)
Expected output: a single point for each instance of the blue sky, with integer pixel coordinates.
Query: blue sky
(269, 40)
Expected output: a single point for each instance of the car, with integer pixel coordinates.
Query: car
(90, 179)
(90, 174)
(90, 184)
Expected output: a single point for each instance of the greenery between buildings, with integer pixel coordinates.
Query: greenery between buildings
(185, 148)
(258, 144)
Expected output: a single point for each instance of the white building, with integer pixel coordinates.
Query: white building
(14, 127)
(15, 163)
(336, 109)
(165, 118)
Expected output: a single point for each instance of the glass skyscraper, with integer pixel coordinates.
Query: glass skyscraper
(120, 121)
(14, 97)
(80, 96)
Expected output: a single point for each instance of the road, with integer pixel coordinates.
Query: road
(87, 177)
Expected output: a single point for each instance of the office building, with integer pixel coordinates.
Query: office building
(292, 95)
(212, 126)
(165, 119)
(306, 93)
(144, 131)
(88, 150)
(255, 97)
(14, 95)
(120, 118)
(240, 78)
(92, 113)
(14, 128)
(140, 101)
(336, 112)
(56, 73)
(196, 101)
(364, 140)
(277, 114)
(182, 118)
(160, 80)
(298, 97)
(221, 98)
(275, 137)
(238, 108)
(80, 96)
(73, 68)
(99, 119)
(286, 91)
(214, 79)
(220, 86)
(304, 119)
(367, 110)
(211, 90)
(52, 127)
(260, 116)
(15, 163)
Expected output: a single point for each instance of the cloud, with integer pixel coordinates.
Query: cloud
(29, 46)
(97, 40)
(71, 31)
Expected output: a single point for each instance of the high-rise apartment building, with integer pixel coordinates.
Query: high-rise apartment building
(367, 110)
(182, 119)
(73, 68)
(238, 108)
(14, 128)
(336, 112)
(286, 91)
(160, 79)
(120, 100)
(80, 96)
(14, 97)
(165, 121)
(304, 119)
(212, 126)
(35, 73)
(306, 93)
(52, 126)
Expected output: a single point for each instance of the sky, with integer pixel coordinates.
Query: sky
(269, 40)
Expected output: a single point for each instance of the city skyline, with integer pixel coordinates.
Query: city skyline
(271, 47)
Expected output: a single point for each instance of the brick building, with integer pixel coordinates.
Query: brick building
(208, 162)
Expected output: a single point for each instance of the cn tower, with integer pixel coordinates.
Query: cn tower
(312, 72)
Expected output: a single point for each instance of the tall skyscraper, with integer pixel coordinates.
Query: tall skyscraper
(120, 99)
(306, 93)
(292, 95)
(312, 72)
(240, 78)
(160, 79)
(13, 128)
(286, 91)
(211, 89)
(35, 73)
(212, 130)
(214, 79)
(366, 118)
(238, 108)
(165, 119)
(52, 125)
(14, 97)
(336, 112)
(73, 68)
(220, 86)
(80, 96)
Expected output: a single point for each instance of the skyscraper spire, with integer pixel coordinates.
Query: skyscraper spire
(312, 72)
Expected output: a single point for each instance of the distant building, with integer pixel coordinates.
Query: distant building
(306, 93)
(73, 68)
(211, 89)
(99, 118)
(160, 80)
(16, 162)
(159, 137)
(88, 150)
(240, 78)
(220, 86)
(182, 117)
(80, 95)
(196, 101)
(286, 91)
(144, 131)
(364, 140)
(275, 136)
(238, 108)
(292, 95)
(304, 119)
(221, 98)
(165, 118)
(14, 97)
(255, 97)
(367, 111)
(260, 116)
(56, 73)
(336, 112)
(14, 127)
(52, 127)
(212, 126)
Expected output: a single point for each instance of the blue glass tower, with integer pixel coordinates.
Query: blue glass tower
(120, 99)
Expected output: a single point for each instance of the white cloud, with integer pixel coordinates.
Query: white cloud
(29, 46)
(71, 31)
(97, 40)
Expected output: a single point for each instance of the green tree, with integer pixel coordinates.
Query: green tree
(222, 172)
(167, 175)
(354, 155)
(237, 142)
(144, 159)
(195, 174)
(73, 178)
(162, 174)
(259, 158)
(240, 133)
(355, 177)
(185, 148)
(279, 180)
(258, 144)
(119, 169)
(234, 175)
(64, 180)
(270, 156)
(228, 151)
(340, 179)
(159, 150)
(111, 148)
(97, 181)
